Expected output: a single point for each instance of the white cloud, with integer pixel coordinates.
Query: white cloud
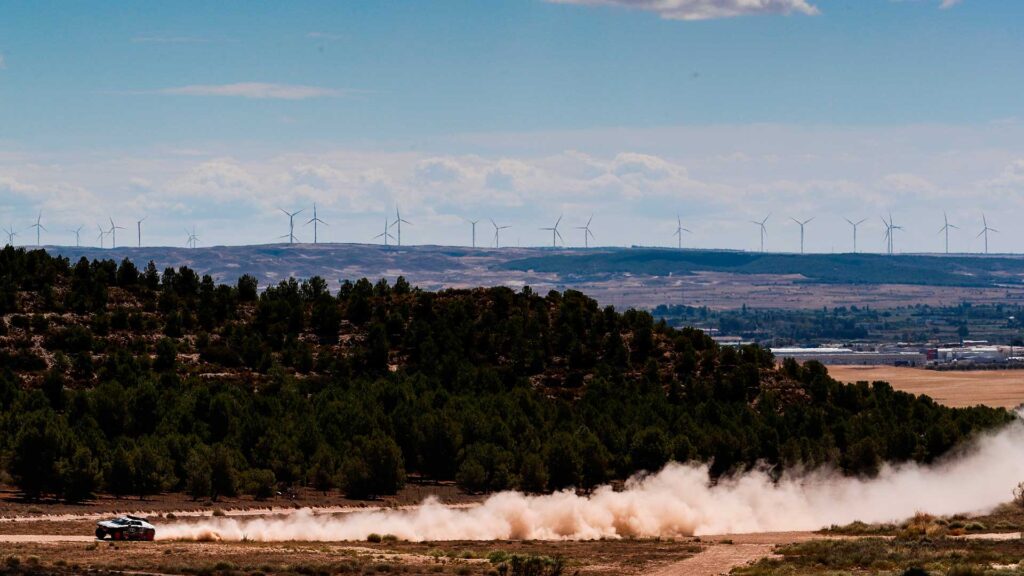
(632, 180)
(162, 39)
(254, 90)
(1012, 177)
(705, 9)
(949, 3)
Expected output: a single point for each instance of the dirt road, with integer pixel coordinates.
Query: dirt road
(724, 553)
(716, 559)
(959, 388)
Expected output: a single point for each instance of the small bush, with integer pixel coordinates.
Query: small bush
(375, 538)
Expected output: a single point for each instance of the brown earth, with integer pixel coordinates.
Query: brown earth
(957, 388)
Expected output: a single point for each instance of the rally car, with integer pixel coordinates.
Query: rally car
(125, 528)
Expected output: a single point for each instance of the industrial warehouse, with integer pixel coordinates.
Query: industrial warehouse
(959, 356)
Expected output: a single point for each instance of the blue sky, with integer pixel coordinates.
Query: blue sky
(214, 113)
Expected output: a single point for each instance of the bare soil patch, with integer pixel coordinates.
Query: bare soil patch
(957, 388)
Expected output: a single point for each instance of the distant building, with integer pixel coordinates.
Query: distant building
(847, 356)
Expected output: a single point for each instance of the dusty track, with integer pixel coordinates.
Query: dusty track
(727, 552)
(1001, 388)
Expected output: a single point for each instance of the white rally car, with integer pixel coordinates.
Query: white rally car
(125, 528)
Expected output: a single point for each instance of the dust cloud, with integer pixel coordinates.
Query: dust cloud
(678, 501)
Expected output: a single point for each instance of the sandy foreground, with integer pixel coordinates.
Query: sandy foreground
(957, 388)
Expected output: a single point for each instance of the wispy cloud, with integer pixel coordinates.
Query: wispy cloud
(169, 39)
(949, 3)
(707, 9)
(323, 36)
(255, 91)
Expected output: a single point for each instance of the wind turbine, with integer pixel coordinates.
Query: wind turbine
(11, 233)
(385, 234)
(113, 233)
(587, 234)
(680, 230)
(946, 226)
(764, 230)
(103, 234)
(890, 236)
(398, 224)
(555, 235)
(855, 225)
(192, 237)
(497, 233)
(473, 224)
(291, 223)
(985, 230)
(78, 236)
(138, 226)
(802, 224)
(314, 221)
(38, 226)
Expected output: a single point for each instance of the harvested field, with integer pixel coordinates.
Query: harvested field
(957, 388)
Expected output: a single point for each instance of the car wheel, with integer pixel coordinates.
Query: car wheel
(100, 534)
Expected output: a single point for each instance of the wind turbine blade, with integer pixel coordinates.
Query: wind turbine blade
(559, 221)
(591, 219)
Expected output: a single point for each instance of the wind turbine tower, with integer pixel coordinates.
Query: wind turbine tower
(473, 224)
(802, 224)
(855, 225)
(291, 223)
(138, 226)
(587, 234)
(555, 235)
(398, 224)
(946, 226)
(679, 231)
(890, 233)
(985, 230)
(385, 234)
(38, 226)
(497, 233)
(314, 221)
(113, 233)
(192, 237)
(764, 229)
(103, 234)
(10, 235)
(78, 236)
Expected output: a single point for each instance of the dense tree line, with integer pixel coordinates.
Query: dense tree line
(135, 381)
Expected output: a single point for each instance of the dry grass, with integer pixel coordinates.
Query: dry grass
(461, 558)
(938, 556)
(959, 388)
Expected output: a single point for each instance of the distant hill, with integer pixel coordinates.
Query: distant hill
(622, 276)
